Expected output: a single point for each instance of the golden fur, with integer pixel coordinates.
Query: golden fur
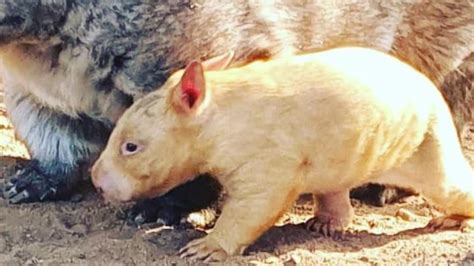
(320, 123)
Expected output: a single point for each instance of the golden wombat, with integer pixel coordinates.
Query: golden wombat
(319, 123)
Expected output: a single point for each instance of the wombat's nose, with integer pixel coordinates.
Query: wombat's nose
(96, 172)
(109, 182)
(101, 180)
(99, 177)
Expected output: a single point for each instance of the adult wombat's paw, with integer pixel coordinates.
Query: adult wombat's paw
(170, 208)
(153, 211)
(380, 195)
(29, 184)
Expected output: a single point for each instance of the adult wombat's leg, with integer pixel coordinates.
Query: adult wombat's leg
(458, 90)
(31, 20)
(61, 147)
(380, 195)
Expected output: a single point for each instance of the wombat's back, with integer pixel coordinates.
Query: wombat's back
(350, 74)
(344, 103)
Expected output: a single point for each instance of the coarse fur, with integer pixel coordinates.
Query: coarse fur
(72, 67)
(320, 123)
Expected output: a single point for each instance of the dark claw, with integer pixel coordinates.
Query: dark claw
(30, 185)
(152, 211)
(20, 198)
(139, 219)
(10, 184)
(10, 192)
(158, 214)
(170, 215)
(48, 194)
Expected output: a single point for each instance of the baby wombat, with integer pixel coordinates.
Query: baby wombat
(319, 123)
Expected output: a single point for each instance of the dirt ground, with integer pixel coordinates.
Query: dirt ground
(88, 233)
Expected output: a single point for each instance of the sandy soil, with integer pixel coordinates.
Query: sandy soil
(88, 232)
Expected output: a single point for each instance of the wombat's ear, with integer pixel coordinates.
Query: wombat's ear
(220, 62)
(190, 92)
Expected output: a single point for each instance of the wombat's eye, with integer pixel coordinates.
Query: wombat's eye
(129, 148)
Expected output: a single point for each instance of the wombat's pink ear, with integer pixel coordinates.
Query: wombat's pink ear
(220, 62)
(190, 92)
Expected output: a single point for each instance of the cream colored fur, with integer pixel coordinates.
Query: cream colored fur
(320, 123)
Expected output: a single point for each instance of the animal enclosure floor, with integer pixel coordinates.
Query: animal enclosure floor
(88, 233)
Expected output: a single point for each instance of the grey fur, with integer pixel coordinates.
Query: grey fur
(31, 20)
(57, 138)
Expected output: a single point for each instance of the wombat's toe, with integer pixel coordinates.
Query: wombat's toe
(203, 249)
(327, 227)
(29, 185)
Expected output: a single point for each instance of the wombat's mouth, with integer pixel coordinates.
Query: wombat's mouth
(111, 184)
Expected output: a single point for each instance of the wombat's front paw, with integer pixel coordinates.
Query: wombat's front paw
(153, 211)
(206, 248)
(29, 185)
(328, 227)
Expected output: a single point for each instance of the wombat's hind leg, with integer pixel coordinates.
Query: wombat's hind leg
(439, 170)
(333, 215)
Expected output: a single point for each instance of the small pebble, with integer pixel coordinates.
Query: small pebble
(405, 215)
(80, 229)
(77, 198)
(294, 260)
(3, 245)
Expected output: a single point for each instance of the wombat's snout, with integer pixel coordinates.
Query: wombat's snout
(94, 172)
(111, 185)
